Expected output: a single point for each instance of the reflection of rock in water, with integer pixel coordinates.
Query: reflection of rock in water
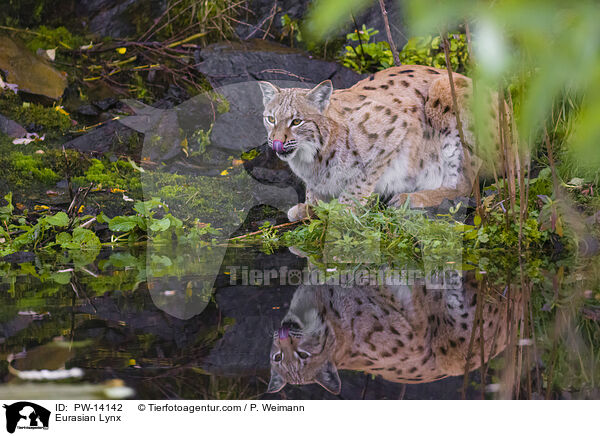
(406, 335)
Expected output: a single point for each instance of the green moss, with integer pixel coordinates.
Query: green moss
(30, 164)
(27, 169)
(119, 174)
(214, 200)
(34, 117)
(53, 38)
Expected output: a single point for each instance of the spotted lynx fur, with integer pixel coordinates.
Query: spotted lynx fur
(404, 334)
(393, 133)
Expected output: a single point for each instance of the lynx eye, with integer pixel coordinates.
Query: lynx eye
(296, 122)
(277, 357)
(303, 355)
(271, 119)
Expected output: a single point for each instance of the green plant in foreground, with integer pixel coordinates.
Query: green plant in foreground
(58, 230)
(379, 235)
(151, 221)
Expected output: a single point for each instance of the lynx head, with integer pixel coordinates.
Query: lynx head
(302, 353)
(292, 118)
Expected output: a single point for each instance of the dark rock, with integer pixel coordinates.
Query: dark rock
(19, 257)
(163, 129)
(173, 97)
(119, 18)
(268, 169)
(232, 69)
(296, 9)
(244, 349)
(106, 104)
(88, 110)
(226, 63)
(11, 128)
(102, 139)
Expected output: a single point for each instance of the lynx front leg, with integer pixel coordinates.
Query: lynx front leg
(303, 211)
(357, 192)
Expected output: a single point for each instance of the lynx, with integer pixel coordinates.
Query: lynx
(393, 133)
(404, 334)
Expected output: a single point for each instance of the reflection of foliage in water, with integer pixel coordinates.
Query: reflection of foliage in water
(53, 297)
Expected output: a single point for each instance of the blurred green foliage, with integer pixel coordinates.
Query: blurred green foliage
(427, 50)
(552, 45)
(22, 12)
(364, 55)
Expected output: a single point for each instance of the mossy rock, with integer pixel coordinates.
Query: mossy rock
(30, 72)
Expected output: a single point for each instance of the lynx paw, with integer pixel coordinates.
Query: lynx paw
(299, 212)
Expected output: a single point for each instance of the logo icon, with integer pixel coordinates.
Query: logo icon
(26, 415)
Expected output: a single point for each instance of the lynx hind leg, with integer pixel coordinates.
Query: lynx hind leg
(429, 197)
(439, 110)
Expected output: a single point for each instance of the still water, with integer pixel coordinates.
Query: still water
(157, 323)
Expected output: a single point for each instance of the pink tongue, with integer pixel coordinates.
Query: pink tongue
(277, 146)
(283, 332)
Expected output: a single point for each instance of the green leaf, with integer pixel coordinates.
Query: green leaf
(160, 225)
(62, 278)
(102, 218)
(6, 211)
(85, 239)
(122, 224)
(63, 238)
(61, 219)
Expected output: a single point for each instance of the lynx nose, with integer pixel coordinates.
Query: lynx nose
(277, 146)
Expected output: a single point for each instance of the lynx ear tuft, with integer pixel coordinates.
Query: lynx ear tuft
(329, 378)
(319, 96)
(269, 91)
(276, 383)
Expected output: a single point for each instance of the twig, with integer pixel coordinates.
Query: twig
(362, 50)
(88, 223)
(68, 172)
(446, 43)
(258, 27)
(280, 226)
(271, 17)
(152, 30)
(470, 353)
(551, 161)
(188, 39)
(12, 29)
(78, 200)
(476, 185)
(386, 24)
